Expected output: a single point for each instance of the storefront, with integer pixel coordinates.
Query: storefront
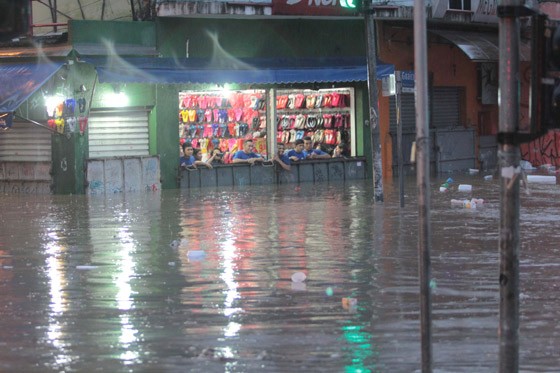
(25, 147)
(219, 107)
(223, 119)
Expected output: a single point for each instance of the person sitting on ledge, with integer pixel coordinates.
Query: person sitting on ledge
(216, 157)
(297, 153)
(247, 155)
(340, 151)
(188, 160)
(311, 153)
(282, 159)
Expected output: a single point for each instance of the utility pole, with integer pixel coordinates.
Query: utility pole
(372, 104)
(423, 181)
(398, 96)
(509, 157)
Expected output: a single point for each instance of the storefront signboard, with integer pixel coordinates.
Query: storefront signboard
(311, 8)
(407, 81)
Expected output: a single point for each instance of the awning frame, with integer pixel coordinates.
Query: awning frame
(19, 81)
(479, 46)
(236, 71)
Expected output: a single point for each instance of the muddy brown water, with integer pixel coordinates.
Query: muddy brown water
(201, 280)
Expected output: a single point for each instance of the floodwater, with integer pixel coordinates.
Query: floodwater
(201, 280)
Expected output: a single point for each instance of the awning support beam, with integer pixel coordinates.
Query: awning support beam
(36, 123)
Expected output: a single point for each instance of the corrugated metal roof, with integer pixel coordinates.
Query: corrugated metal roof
(60, 50)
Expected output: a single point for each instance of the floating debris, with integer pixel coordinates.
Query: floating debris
(349, 303)
(541, 179)
(299, 277)
(195, 255)
(473, 203)
(464, 188)
(433, 284)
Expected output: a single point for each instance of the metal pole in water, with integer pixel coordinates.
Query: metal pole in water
(509, 159)
(423, 181)
(398, 93)
(372, 104)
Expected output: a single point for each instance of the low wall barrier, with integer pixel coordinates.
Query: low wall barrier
(319, 170)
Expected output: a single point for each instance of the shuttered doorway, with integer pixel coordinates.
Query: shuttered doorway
(25, 142)
(118, 134)
(25, 159)
(446, 109)
(408, 113)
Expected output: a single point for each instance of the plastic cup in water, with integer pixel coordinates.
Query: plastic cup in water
(299, 277)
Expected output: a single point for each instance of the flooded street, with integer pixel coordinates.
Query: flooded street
(201, 280)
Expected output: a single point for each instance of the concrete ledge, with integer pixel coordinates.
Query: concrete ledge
(316, 171)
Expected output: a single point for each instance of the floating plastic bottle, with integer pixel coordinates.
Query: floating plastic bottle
(464, 188)
(445, 186)
(541, 179)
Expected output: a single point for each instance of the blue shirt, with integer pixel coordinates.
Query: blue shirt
(315, 151)
(284, 158)
(293, 153)
(187, 161)
(240, 154)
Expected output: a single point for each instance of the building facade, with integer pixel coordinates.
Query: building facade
(132, 86)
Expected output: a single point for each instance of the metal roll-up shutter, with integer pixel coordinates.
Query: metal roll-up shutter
(25, 142)
(408, 113)
(446, 107)
(118, 134)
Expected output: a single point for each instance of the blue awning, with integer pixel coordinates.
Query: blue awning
(236, 71)
(19, 81)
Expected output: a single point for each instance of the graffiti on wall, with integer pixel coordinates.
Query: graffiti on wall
(127, 174)
(542, 151)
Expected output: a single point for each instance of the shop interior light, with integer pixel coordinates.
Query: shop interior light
(52, 101)
(224, 89)
(115, 99)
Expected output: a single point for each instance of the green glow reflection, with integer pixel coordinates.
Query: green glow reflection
(360, 348)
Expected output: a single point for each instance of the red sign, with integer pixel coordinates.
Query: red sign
(310, 8)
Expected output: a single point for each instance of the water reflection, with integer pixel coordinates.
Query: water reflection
(55, 273)
(201, 281)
